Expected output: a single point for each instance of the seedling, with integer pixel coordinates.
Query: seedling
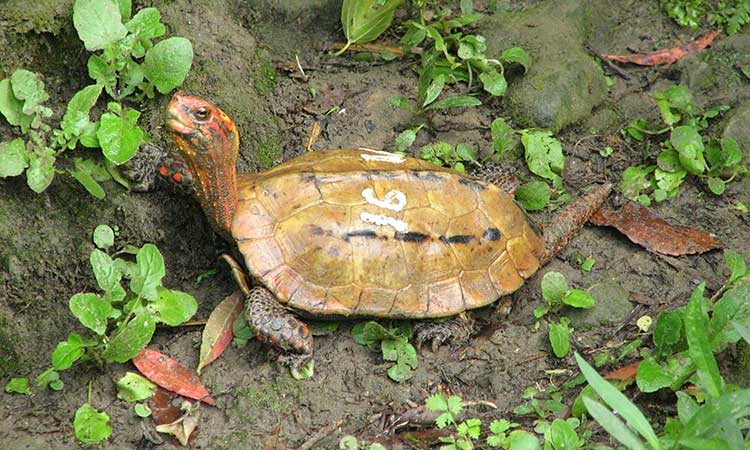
(394, 343)
(716, 162)
(731, 15)
(89, 425)
(444, 154)
(351, 443)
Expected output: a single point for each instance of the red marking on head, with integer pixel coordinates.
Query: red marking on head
(164, 171)
(177, 177)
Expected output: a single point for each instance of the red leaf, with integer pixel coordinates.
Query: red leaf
(624, 373)
(665, 56)
(169, 374)
(650, 231)
(217, 334)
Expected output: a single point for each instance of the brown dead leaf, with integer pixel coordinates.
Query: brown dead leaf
(163, 408)
(217, 334)
(645, 228)
(183, 427)
(665, 56)
(624, 373)
(169, 374)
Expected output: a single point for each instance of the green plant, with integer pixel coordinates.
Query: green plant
(729, 14)
(444, 154)
(500, 437)
(122, 323)
(349, 442)
(451, 57)
(716, 162)
(556, 292)
(117, 71)
(394, 343)
(449, 409)
(364, 20)
(89, 425)
(18, 385)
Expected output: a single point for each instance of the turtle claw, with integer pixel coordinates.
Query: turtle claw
(456, 329)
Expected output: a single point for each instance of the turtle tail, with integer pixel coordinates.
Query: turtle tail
(564, 226)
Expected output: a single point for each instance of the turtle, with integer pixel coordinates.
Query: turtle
(361, 233)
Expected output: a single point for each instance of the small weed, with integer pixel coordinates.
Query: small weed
(130, 65)
(731, 14)
(444, 154)
(394, 343)
(351, 443)
(715, 161)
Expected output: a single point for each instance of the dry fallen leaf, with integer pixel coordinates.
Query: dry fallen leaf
(645, 228)
(217, 334)
(183, 427)
(665, 56)
(169, 374)
(624, 373)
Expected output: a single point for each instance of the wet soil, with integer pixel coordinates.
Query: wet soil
(246, 60)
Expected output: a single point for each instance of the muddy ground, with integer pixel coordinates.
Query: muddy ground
(245, 62)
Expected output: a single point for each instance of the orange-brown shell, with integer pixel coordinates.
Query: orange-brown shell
(359, 232)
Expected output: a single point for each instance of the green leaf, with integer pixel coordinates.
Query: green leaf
(364, 20)
(134, 388)
(554, 286)
(125, 7)
(90, 425)
(734, 305)
(523, 440)
(40, 172)
(455, 102)
(405, 139)
(104, 236)
(517, 55)
(651, 377)
(98, 23)
(437, 402)
(119, 136)
(150, 272)
(699, 348)
(18, 385)
(76, 117)
(67, 352)
(562, 436)
(107, 275)
(668, 331)
(28, 86)
(131, 339)
(434, 89)
(102, 73)
(47, 378)
(142, 410)
(736, 264)
(686, 407)
(368, 333)
(730, 151)
(494, 82)
(13, 158)
(400, 372)
(544, 154)
(618, 402)
(716, 185)
(12, 108)
(146, 24)
(578, 299)
(174, 307)
(91, 310)
(503, 136)
(533, 196)
(689, 145)
(614, 426)
(400, 102)
(89, 183)
(168, 62)
(559, 337)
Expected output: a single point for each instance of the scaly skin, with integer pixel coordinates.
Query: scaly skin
(209, 144)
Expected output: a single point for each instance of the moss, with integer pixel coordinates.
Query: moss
(743, 364)
(265, 74)
(40, 16)
(269, 151)
(9, 360)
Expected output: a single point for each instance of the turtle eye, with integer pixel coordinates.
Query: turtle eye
(201, 113)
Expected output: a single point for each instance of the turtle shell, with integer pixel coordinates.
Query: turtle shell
(369, 233)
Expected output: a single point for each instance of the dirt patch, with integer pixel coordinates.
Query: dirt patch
(245, 61)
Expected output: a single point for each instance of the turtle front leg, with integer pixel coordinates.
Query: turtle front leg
(456, 329)
(275, 325)
(152, 161)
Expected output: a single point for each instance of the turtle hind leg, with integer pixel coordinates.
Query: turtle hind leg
(276, 326)
(456, 329)
(563, 227)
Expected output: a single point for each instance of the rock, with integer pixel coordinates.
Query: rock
(564, 83)
(736, 127)
(612, 307)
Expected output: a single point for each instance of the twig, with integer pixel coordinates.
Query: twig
(374, 48)
(608, 63)
(320, 435)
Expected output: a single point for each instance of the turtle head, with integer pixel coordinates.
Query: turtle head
(208, 141)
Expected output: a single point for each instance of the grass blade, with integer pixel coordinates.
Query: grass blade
(619, 403)
(742, 330)
(698, 346)
(614, 426)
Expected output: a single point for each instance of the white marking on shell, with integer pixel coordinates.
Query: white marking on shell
(380, 219)
(393, 200)
(381, 156)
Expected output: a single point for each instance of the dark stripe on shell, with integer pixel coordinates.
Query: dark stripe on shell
(457, 239)
(360, 233)
(472, 184)
(492, 234)
(411, 236)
